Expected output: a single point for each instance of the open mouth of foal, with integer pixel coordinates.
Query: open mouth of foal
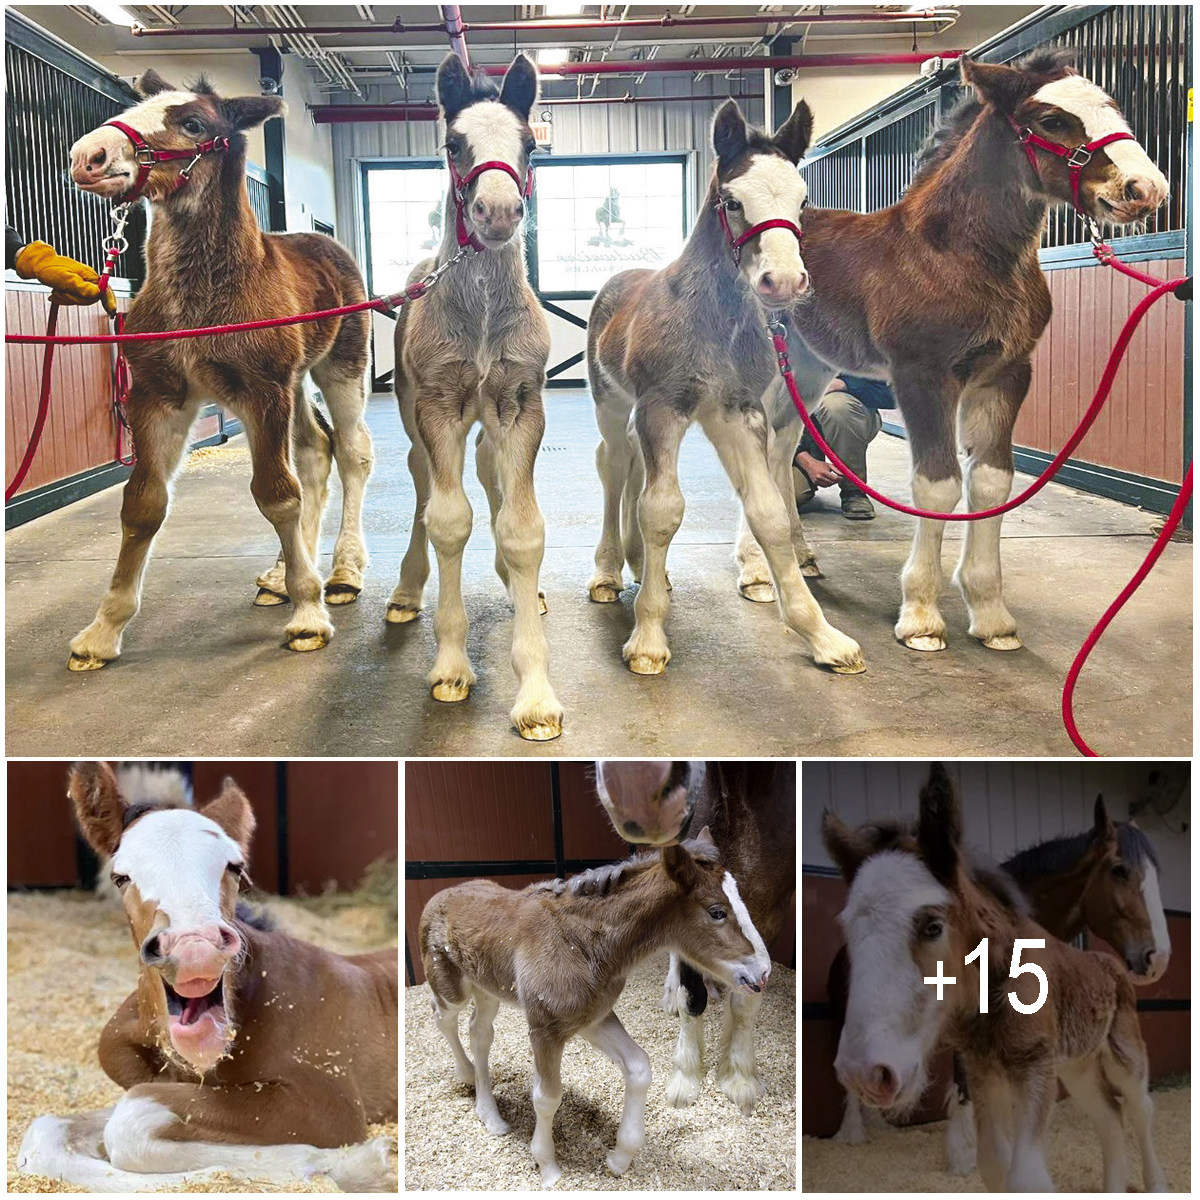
(188, 1010)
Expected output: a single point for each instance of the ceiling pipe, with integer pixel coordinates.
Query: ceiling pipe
(454, 27)
(742, 63)
(555, 25)
(361, 114)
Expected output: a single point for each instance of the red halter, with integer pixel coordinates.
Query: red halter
(147, 156)
(736, 243)
(460, 183)
(1077, 157)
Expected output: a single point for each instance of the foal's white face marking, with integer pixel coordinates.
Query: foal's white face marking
(1158, 924)
(772, 188)
(892, 1018)
(494, 133)
(176, 859)
(1099, 116)
(762, 960)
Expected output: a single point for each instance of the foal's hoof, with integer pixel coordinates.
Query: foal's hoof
(603, 593)
(540, 731)
(683, 1090)
(618, 1161)
(304, 640)
(268, 599)
(647, 664)
(341, 593)
(1002, 641)
(450, 691)
(401, 614)
(926, 642)
(550, 1175)
(744, 1091)
(86, 662)
(810, 569)
(758, 592)
(543, 607)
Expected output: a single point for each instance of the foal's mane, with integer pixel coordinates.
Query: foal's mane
(1062, 853)
(942, 142)
(601, 881)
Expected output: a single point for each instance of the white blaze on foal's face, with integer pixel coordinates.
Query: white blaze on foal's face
(179, 873)
(491, 132)
(892, 1016)
(750, 974)
(1134, 187)
(770, 189)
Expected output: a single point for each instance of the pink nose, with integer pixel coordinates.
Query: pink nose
(195, 953)
(777, 289)
(879, 1086)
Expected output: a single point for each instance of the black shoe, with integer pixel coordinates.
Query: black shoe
(856, 506)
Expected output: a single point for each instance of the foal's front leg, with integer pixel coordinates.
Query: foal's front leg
(610, 1036)
(740, 437)
(521, 539)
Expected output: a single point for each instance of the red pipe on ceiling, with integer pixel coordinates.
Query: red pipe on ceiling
(555, 25)
(654, 65)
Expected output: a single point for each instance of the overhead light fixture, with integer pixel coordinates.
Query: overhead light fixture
(114, 14)
(562, 10)
(551, 56)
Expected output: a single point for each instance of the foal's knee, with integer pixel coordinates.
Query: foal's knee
(660, 511)
(144, 508)
(131, 1133)
(638, 1070)
(277, 495)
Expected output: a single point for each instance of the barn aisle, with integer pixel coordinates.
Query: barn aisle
(203, 674)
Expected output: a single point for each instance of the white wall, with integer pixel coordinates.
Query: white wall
(1006, 805)
(836, 94)
(308, 160)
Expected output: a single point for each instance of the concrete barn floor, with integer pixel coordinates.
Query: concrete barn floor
(708, 1146)
(914, 1159)
(203, 672)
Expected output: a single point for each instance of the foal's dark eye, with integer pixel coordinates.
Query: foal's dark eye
(931, 930)
(1120, 873)
(717, 914)
(192, 126)
(733, 205)
(1054, 124)
(454, 146)
(119, 881)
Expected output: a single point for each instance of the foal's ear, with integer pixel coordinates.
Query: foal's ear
(796, 135)
(99, 805)
(847, 847)
(231, 810)
(245, 112)
(520, 88)
(681, 867)
(1105, 830)
(939, 830)
(730, 134)
(1005, 87)
(453, 87)
(705, 838)
(151, 83)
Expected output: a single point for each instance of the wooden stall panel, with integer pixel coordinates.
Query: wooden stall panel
(41, 829)
(1141, 427)
(257, 780)
(79, 432)
(823, 899)
(587, 831)
(418, 893)
(477, 810)
(342, 816)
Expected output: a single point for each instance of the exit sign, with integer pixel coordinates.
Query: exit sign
(543, 134)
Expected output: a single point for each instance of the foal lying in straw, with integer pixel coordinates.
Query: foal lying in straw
(242, 1050)
(916, 905)
(562, 952)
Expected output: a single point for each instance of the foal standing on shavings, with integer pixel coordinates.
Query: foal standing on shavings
(562, 952)
(242, 1049)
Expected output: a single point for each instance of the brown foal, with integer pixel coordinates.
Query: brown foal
(207, 263)
(241, 1049)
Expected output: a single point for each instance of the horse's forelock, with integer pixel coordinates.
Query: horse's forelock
(1051, 62)
(1136, 848)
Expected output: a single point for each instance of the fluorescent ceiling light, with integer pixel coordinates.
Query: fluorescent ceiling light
(562, 10)
(551, 56)
(114, 14)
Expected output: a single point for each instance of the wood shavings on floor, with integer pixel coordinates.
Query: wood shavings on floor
(914, 1159)
(707, 1147)
(71, 962)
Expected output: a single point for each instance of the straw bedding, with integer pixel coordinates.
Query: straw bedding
(913, 1160)
(71, 962)
(709, 1146)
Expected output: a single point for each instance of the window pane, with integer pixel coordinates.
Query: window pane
(405, 212)
(597, 219)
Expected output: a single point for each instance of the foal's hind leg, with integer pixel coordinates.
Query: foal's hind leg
(737, 1071)
(313, 457)
(276, 491)
(987, 414)
(614, 460)
(1085, 1081)
(1127, 1072)
(740, 438)
(482, 1028)
(445, 1015)
(610, 1036)
(927, 401)
(547, 1096)
(344, 388)
(405, 602)
(160, 429)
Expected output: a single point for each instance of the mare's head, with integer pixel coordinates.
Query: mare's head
(179, 873)
(1045, 95)
(175, 120)
(708, 923)
(757, 181)
(903, 915)
(650, 802)
(489, 124)
(1122, 903)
